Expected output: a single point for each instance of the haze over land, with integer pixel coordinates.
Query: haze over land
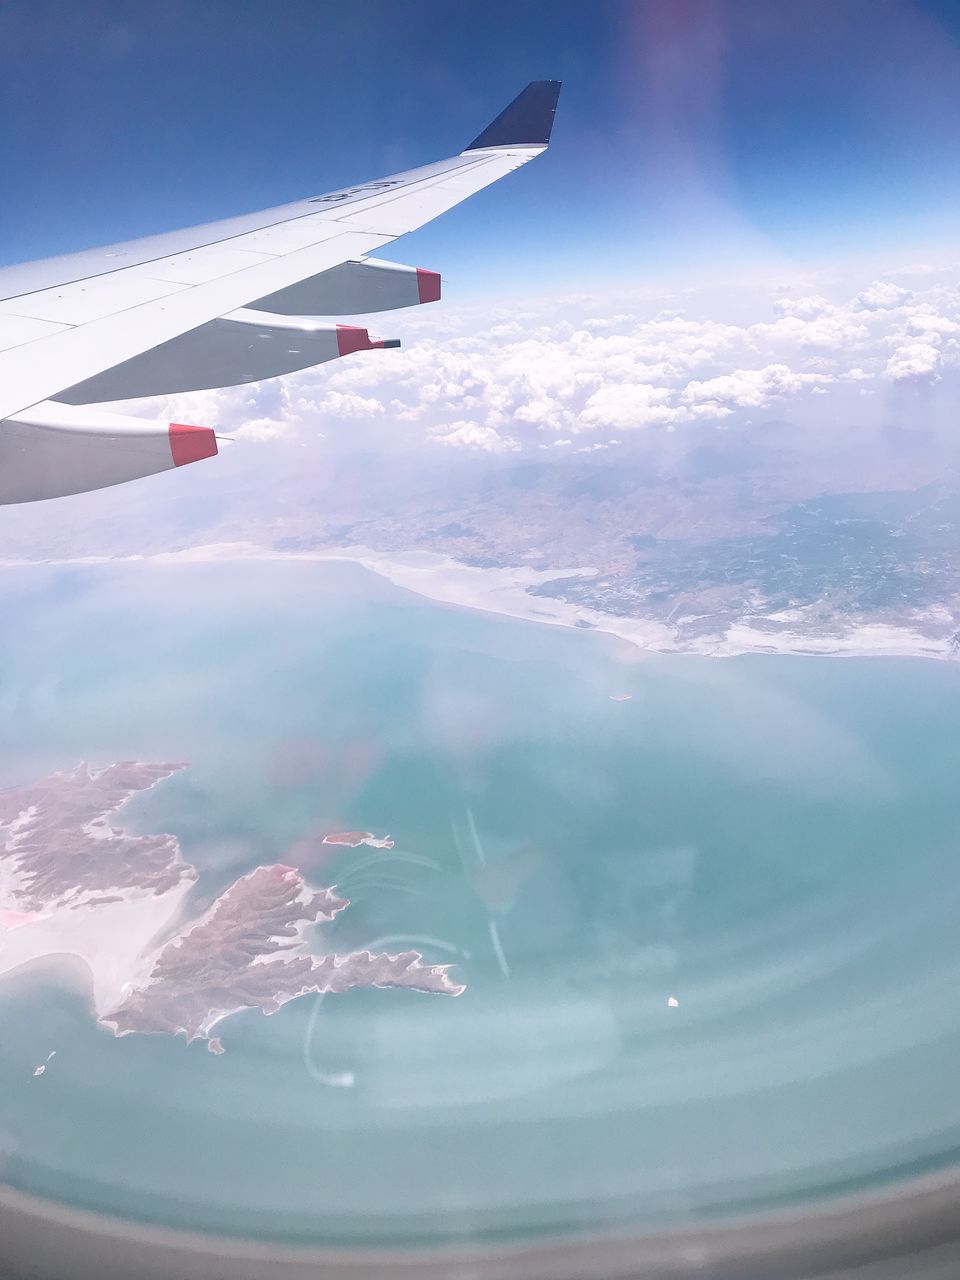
(770, 465)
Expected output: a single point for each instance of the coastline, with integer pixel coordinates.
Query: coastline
(111, 944)
(506, 592)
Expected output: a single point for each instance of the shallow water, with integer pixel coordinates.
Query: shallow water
(709, 933)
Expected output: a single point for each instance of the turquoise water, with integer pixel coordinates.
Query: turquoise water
(771, 842)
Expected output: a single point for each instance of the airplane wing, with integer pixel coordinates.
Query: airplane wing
(211, 306)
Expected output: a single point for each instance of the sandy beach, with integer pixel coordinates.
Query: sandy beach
(111, 941)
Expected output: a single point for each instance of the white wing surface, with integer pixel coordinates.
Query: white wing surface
(216, 305)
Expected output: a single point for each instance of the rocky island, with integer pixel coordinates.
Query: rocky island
(73, 884)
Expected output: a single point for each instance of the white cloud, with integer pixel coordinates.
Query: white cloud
(262, 430)
(505, 379)
(881, 296)
(804, 308)
(834, 329)
(749, 388)
(541, 412)
(630, 405)
(916, 361)
(927, 323)
(344, 405)
(608, 322)
(471, 436)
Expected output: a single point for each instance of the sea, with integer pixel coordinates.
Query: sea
(705, 911)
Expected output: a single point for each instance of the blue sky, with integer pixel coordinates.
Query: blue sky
(693, 135)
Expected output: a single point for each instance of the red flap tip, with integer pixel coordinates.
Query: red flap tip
(191, 444)
(351, 337)
(428, 284)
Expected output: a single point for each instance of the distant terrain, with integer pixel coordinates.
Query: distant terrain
(746, 534)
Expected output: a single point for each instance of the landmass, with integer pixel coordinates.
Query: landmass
(247, 952)
(41, 1068)
(355, 838)
(770, 537)
(74, 884)
(60, 849)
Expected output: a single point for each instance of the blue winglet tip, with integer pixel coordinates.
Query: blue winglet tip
(527, 121)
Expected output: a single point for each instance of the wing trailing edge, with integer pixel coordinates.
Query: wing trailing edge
(241, 347)
(353, 289)
(54, 449)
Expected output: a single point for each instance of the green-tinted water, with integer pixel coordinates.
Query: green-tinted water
(770, 842)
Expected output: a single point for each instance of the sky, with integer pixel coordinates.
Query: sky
(693, 138)
(747, 216)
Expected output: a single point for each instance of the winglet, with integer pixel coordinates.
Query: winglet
(526, 122)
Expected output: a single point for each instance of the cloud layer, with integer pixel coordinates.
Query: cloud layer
(581, 372)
